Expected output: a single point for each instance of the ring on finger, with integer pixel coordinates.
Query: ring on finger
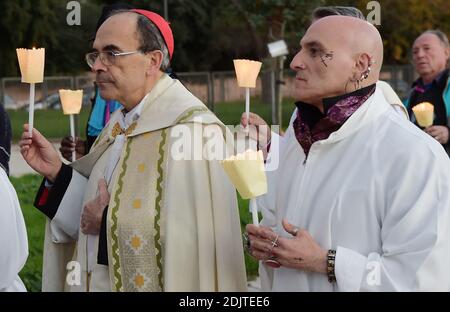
(275, 241)
(272, 262)
(247, 244)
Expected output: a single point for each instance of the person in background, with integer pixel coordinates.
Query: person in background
(431, 54)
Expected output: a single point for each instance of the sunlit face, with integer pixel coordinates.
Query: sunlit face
(128, 73)
(429, 56)
(323, 65)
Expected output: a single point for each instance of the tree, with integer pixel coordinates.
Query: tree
(13, 27)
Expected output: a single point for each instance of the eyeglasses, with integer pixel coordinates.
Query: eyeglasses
(108, 58)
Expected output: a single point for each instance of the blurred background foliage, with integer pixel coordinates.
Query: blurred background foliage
(208, 34)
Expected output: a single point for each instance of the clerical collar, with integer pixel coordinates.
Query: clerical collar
(132, 115)
(312, 125)
(329, 102)
(311, 114)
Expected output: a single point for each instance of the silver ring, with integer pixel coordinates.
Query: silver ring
(247, 245)
(295, 231)
(275, 241)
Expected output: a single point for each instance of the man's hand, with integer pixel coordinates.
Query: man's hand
(68, 146)
(299, 252)
(91, 219)
(259, 130)
(439, 133)
(40, 154)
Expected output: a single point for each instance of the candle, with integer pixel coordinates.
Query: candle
(31, 63)
(247, 173)
(71, 101)
(424, 113)
(246, 72)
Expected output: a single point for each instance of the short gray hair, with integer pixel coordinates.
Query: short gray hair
(151, 39)
(441, 36)
(324, 11)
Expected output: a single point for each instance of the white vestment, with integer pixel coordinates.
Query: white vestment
(377, 191)
(172, 224)
(13, 237)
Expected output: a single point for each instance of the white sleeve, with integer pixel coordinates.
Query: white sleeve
(13, 235)
(415, 237)
(66, 223)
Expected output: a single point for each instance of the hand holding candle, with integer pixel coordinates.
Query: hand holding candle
(71, 102)
(31, 63)
(247, 173)
(246, 72)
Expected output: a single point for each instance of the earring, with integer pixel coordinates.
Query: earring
(365, 75)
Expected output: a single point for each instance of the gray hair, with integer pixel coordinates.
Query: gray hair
(441, 36)
(150, 38)
(321, 12)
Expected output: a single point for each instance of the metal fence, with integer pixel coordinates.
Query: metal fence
(213, 88)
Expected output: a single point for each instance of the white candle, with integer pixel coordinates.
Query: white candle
(247, 108)
(254, 209)
(31, 110)
(72, 133)
(31, 63)
(71, 101)
(246, 73)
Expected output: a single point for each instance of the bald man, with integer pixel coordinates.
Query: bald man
(348, 208)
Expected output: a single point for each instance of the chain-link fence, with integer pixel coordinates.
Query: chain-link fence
(213, 88)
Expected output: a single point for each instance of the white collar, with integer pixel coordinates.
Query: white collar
(126, 119)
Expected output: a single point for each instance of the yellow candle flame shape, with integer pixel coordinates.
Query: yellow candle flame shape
(424, 113)
(247, 173)
(71, 101)
(31, 63)
(246, 72)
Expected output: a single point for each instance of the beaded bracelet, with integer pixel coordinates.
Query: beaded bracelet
(330, 265)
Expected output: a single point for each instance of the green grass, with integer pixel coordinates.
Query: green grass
(54, 125)
(51, 123)
(230, 113)
(26, 188)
